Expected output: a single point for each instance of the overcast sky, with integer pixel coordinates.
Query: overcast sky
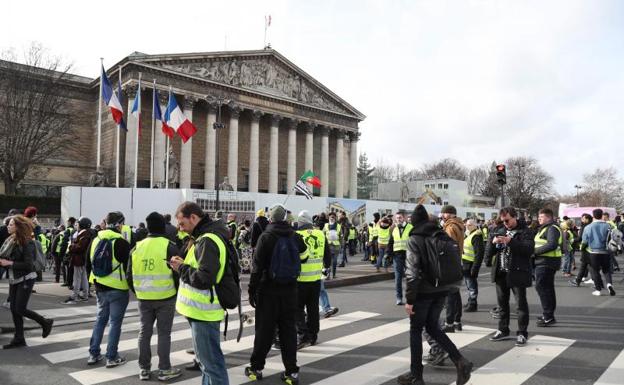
(473, 80)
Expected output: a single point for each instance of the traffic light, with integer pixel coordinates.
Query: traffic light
(501, 174)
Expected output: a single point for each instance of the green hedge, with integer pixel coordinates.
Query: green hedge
(44, 205)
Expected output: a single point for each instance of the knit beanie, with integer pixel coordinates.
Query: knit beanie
(277, 213)
(419, 215)
(155, 223)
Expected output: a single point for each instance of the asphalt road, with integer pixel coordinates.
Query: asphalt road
(366, 343)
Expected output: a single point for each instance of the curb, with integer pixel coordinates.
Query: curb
(357, 280)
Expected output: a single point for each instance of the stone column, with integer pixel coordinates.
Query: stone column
(273, 154)
(131, 136)
(291, 170)
(309, 150)
(160, 144)
(339, 164)
(254, 151)
(211, 148)
(186, 151)
(354, 165)
(232, 169)
(346, 174)
(324, 162)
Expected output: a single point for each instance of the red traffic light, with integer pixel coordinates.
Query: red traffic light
(500, 167)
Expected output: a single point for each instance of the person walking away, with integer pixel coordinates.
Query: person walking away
(400, 236)
(271, 286)
(424, 304)
(109, 253)
(313, 260)
(200, 272)
(547, 260)
(78, 254)
(258, 226)
(17, 254)
(509, 255)
(332, 235)
(583, 271)
(454, 227)
(595, 238)
(155, 286)
(472, 257)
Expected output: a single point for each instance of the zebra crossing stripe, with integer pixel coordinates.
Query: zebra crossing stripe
(72, 311)
(520, 363)
(389, 367)
(614, 375)
(101, 374)
(321, 351)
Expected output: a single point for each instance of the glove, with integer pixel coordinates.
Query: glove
(252, 299)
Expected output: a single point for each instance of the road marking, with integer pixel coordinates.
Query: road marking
(101, 374)
(520, 363)
(614, 375)
(389, 367)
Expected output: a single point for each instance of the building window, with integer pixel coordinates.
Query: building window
(439, 186)
(446, 186)
(426, 186)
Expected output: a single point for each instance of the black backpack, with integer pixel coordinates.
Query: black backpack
(285, 261)
(442, 263)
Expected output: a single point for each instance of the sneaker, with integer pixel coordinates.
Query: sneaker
(457, 326)
(6, 304)
(83, 299)
(521, 340)
(253, 375)
(302, 343)
(499, 336)
(69, 301)
(409, 379)
(542, 322)
(588, 281)
(47, 327)
(332, 311)
(165, 375)
(144, 375)
(464, 367)
(438, 360)
(276, 346)
(448, 328)
(596, 293)
(399, 302)
(64, 284)
(194, 366)
(116, 362)
(14, 344)
(94, 359)
(290, 379)
(574, 283)
(611, 290)
(470, 308)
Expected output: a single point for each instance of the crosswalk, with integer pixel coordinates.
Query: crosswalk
(358, 347)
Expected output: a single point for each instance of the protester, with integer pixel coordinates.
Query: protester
(472, 257)
(331, 229)
(454, 227)
(78, 255)
(586, 219)
(140, 233)
(548, 253)
(398, 245)
(258, 227)
(595, 237)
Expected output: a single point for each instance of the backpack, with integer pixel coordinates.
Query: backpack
(442, 260)
(102, 264)
(40, 259)
(285, 261)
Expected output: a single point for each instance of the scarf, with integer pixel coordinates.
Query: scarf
(7, 248)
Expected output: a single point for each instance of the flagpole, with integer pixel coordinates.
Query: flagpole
(118, 140)
(153, 129)
(167, 165)
(99, 121)
(265, 31)
(136, 146)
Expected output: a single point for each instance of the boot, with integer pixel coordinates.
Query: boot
(464, 367)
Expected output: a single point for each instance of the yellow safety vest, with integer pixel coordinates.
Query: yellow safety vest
(311, 268)
(612, 224)
(58, 243)
(71, 232)
(151, 276)
(326, 231)
(116, 279)
(182, 235)
(485, 231)
(126, 233)
(352, 234)
(45, 242)
(384, 236)
(469, 252)
(400, 240)
(370, 232)
(196, 303)
(539, 242)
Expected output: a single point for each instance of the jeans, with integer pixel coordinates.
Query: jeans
(111, 304)
(399, 273)
(600, 262)
(80, 282)
(19, 294)
(545, 287)
(324, 298)
(472, 284)
(335, 251)
(161, 312)
(502, 298)
(568, 260)
(427, 315)
(208, 352)
(380, 257)
(343, 254)
(366, 253)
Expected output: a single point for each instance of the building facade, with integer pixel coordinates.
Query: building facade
(278, 122)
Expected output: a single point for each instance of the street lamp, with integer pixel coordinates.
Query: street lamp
(577, 187)
(217, 126)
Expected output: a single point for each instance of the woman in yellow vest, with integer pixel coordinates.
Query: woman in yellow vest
(155, 286)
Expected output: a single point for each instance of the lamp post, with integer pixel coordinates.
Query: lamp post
(217, 126)
(577, 187)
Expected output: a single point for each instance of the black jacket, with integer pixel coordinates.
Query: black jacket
(172, 250)
(552, 242)
(264, 251)
(171, 232)
(23, 258)
(204, 277)
(522, 246)
(417, 285)
(257, 229)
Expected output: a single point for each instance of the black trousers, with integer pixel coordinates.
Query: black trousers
(600, 262)
(502, 297)
(453, 307)
(585, 267)
(545, 287)
(19, 294)
(276, 308)
(308, 309)
(70, 273)
(59, 268)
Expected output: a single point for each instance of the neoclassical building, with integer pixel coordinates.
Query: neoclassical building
(278, 122)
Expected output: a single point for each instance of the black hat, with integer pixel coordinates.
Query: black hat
(419, 215)
(84, 223)
(155, 223)
(449, 209)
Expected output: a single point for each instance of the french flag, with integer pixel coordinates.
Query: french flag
(136, 107)
(176, 120)
(111, 99)
(158, 114)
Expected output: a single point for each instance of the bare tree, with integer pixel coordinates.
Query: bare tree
(445, 168)
(477, 180)
(491, 188)
(383, 172)
(604, 188)
(528, 185)
(34, 119)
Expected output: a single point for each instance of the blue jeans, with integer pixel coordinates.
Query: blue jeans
(324, 298)
(380, 257)
(568, 259)
(399, 273)
(335, 251)
(111, 304)
(472, 285)
(208, 352)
